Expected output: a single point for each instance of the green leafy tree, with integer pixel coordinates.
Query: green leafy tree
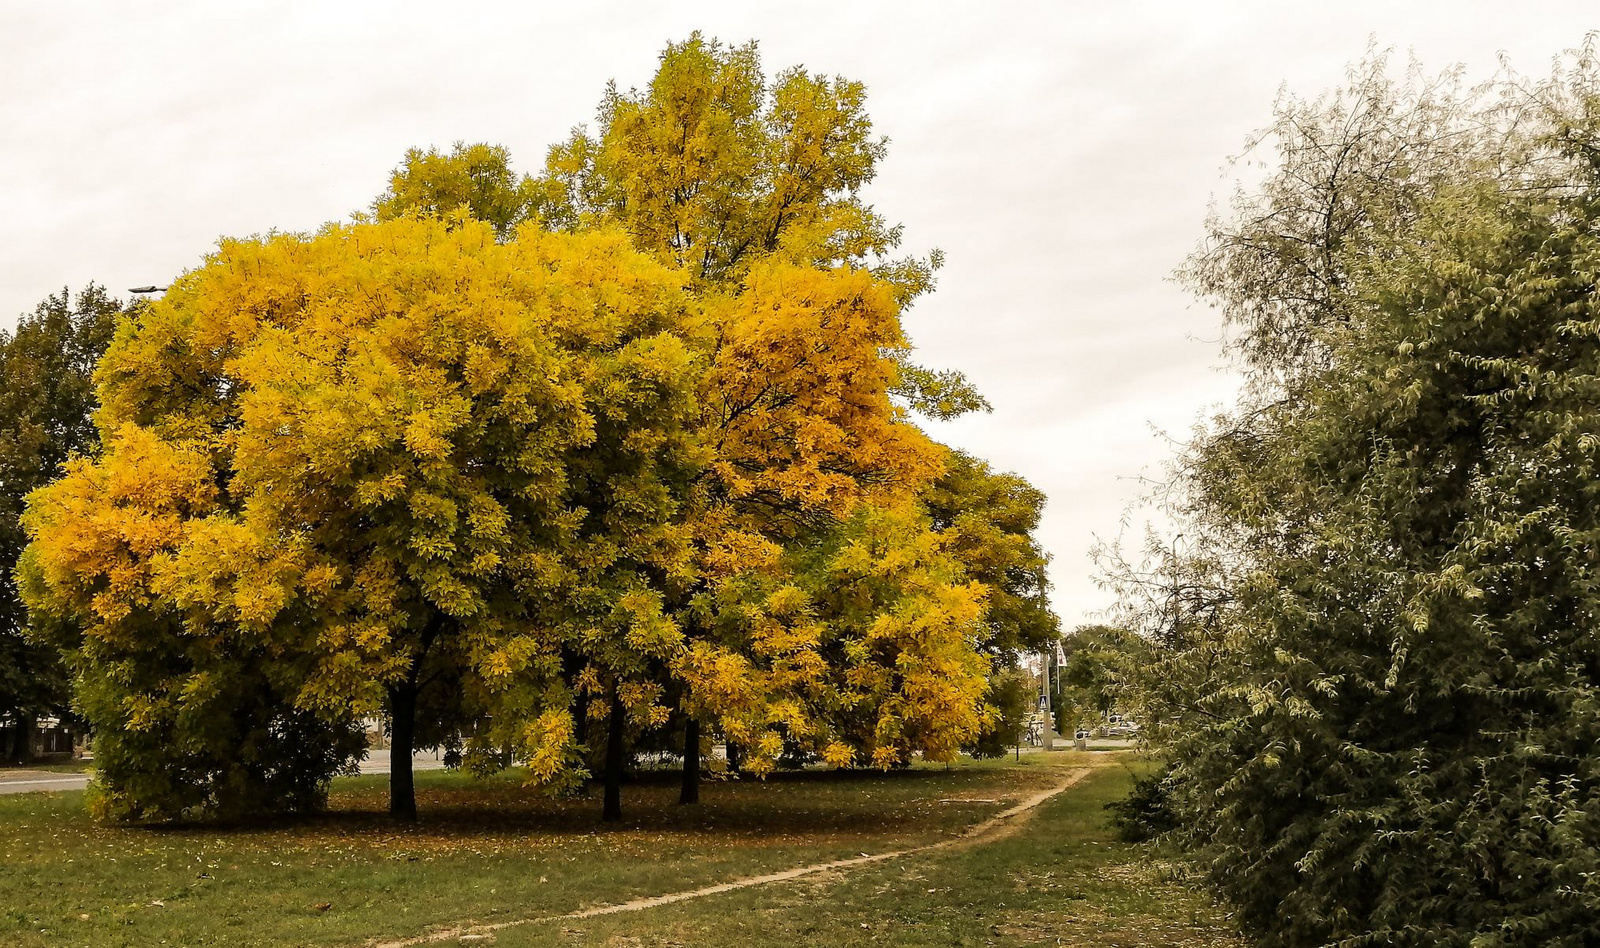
(989, 519)
(1375, 671)
(46, 402)
(1101, 661)
(1013, 696)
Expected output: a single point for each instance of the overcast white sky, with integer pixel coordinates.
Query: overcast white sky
(1062, 155)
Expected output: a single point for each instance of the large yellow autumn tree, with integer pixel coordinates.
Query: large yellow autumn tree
(384, 466)
(751, 189)
(728, 175)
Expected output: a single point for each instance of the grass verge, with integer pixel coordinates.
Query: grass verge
(74, 766)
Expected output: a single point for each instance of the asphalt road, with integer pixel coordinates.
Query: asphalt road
(43, 781)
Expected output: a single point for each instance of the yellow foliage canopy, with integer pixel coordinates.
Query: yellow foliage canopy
(379, 453)
(410, 452)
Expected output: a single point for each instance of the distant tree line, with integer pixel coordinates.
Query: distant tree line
(46, 398)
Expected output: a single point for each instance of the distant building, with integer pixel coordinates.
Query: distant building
(48, 737)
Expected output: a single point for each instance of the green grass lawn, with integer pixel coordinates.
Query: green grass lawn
(483, 851)
(1061, 879)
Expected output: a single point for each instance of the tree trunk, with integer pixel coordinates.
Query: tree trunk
(26, 726)
(691, 763)
(613, 804)
(735, 756)
(402, 726)
(13, 749)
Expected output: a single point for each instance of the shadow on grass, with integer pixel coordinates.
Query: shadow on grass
(453, 806)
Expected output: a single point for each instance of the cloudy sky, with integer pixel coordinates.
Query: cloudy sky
(1062, 154)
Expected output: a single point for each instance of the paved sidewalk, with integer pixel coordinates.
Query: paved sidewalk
(27, 781)
(43, 781)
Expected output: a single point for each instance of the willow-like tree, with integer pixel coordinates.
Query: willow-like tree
(1375, 669)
